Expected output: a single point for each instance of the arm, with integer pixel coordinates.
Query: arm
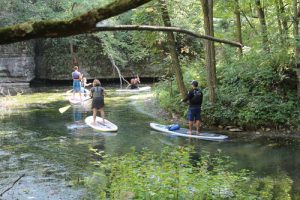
(91, 92)
(186, 98)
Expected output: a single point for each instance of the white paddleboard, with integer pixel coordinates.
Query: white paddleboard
(100, 126)
(183, 133)
(139, 89)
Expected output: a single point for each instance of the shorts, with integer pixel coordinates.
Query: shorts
(76, 85)
(98, 102)
(133, 86)
(194, 114)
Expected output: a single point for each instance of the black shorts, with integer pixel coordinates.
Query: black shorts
(98, 102)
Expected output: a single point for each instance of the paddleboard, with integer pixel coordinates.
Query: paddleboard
(100, 126)
(183, 133)
(139, 89)
(76, 99)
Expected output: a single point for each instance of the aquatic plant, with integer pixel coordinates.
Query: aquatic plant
(180, 173)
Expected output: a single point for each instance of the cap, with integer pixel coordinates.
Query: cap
(194, 83)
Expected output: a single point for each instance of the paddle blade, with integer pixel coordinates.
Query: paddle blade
(64, 109)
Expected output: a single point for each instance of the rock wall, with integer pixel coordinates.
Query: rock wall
(50, 59)
(54, 61)
(17, 62)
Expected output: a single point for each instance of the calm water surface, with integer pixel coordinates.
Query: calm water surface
(53, 150)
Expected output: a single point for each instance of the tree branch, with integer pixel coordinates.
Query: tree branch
(81, 24)
(87, 23)
(163, 28)
(12, 185)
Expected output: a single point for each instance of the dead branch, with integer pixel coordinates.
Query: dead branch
(163, 28)
(12, 185)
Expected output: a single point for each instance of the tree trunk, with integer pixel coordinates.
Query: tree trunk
(282, 22)
(263, 25)
(297, 43)
(238, 24)
(279, 22)
(171, 45)
(284, 18)
(207, 7)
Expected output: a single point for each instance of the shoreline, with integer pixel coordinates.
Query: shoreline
(152, 106)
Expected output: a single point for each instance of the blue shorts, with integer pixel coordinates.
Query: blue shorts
(194, 114)
(76, 85)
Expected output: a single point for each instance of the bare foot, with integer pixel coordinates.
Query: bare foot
(189, 132)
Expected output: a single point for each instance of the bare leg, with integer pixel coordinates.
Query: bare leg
(190, 127)
(80, 95)
(94, 115)
(102, 114)
(198, 123)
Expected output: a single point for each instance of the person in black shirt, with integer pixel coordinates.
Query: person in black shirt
(194, 98)
(97, 93)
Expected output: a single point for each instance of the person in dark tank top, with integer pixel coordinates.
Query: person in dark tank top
(97, 93)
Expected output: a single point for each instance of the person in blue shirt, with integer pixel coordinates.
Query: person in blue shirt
(76, 76)
(194, 98)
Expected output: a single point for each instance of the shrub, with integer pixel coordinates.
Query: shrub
(173, 175)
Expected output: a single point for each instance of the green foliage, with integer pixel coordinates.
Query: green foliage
(255, 91)
(17, 11)
(168, 96)
(173, 174)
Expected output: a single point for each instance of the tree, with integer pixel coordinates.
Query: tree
(297, 42)
(263, 24)
(237, 13)
(207, 6)
(171, 45)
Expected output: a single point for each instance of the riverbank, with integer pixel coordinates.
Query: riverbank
(151, 106)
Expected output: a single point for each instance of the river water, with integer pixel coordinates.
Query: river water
(48, 154)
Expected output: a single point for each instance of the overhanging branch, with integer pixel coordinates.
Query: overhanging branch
(86, 23)
(75, 26)
(163, 28)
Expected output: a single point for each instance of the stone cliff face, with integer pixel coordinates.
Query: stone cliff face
(51, 59)
(17, 63)
(54, 60)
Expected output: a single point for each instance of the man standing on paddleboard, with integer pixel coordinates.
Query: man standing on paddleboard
(194, 98)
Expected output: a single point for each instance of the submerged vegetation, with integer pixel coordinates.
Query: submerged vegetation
(180, 173)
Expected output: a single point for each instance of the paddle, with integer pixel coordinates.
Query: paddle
(65, 108)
